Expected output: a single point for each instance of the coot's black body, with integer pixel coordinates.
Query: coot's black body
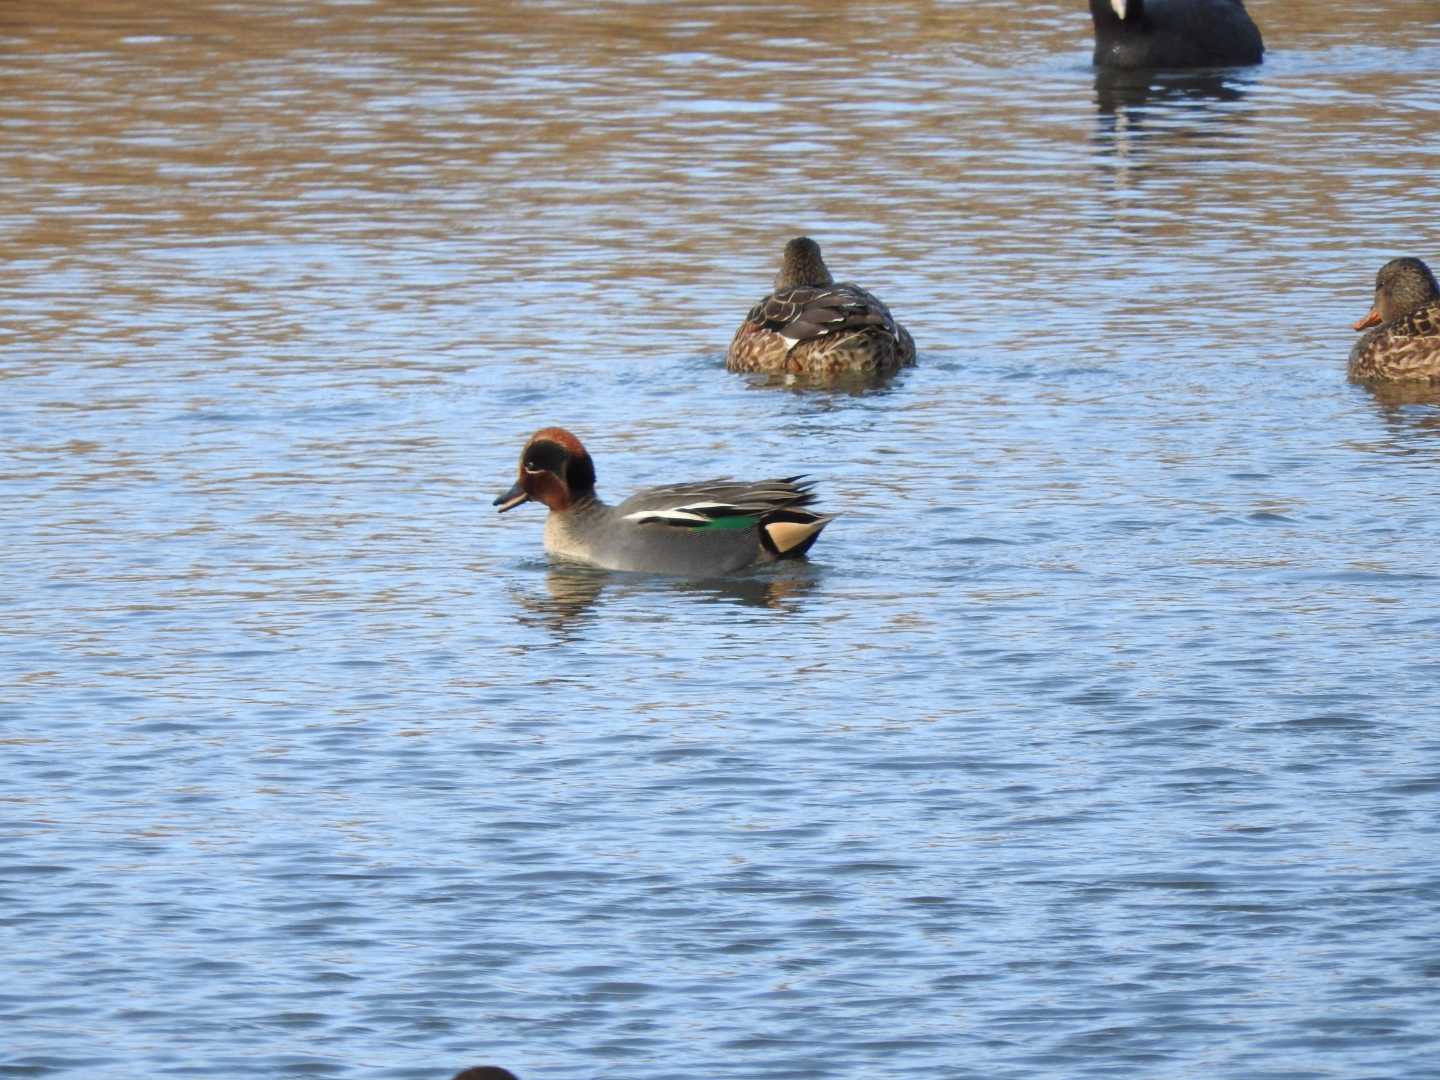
(1174, 33)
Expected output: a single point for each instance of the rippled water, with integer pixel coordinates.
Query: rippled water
(1097, 739)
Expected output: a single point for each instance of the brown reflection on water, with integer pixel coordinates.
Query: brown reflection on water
(947, 154)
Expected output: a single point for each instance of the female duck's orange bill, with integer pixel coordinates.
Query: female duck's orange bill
(1373, 319)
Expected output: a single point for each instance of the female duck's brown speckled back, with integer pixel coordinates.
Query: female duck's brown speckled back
(812, 325)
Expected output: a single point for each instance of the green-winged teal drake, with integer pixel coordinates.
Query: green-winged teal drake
(697, 530)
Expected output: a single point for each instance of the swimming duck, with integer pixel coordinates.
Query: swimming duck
(812, 325)
(1174, 34)
(1405, 342)
(698, 530)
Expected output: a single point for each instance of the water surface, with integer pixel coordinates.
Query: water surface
(1097, 738)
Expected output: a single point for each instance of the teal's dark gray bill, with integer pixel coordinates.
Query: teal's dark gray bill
(511, 499)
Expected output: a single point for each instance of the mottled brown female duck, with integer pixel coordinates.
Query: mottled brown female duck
(814, 326)
(1405, 344)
